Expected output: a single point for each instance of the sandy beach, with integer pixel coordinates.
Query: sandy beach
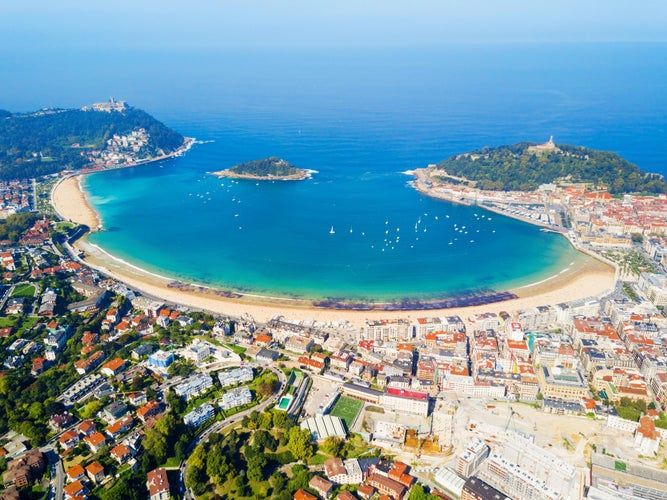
(70, 203)
(585, 277)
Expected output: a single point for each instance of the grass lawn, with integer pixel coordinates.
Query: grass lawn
(8, 321)
(26, 322)
(358, 446)
(171, 462)
(237, 349)
(25, 290)
(347, 409)
(318, 459)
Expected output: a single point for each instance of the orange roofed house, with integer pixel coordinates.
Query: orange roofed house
(303, 495)
(113, 367)
(157, 484)
(95, 472)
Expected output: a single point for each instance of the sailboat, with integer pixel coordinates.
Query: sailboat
(331, 231)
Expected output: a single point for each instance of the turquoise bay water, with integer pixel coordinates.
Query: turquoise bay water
(360, 120)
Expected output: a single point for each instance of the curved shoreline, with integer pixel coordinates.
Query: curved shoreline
(584, 278)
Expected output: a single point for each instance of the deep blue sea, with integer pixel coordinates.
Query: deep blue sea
(359, 118)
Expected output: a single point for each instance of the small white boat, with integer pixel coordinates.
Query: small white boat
(331, 231)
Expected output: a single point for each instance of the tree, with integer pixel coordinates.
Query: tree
(217, 466)
(196, 478)
(155, 445)
(181, 368)
(176, 402)
(417, 492)
(241, 485)
(267, 384)
(91, 409)
(278, 481)
(282, 420)
(36, 410)
(333, 446)
(256, 466)
(300, 478)
(266, 420)
(132, 487)
(298, 442)
(160, 441)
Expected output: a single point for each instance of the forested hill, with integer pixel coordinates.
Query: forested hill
(50, 140)
(265, 169)
(525, 166)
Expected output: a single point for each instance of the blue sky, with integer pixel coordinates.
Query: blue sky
(149, 24)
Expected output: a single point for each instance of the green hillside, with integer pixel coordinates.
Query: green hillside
(50, 140)
(525, 166)
(273, 167)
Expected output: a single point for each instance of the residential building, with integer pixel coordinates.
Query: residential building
(85, 365)
(403, 400)
(142, 350)
(386, 486)
(197, 352)
(235, 376)
(119, 427)
(296, 343)
(161, 360)
(562, 383)
(69, 439)
(301, 494)
(95, 441)
(87, 427)
(113, 367)
(235, 397)
(647, 438)
(149, 410)
(75, 473)
(95, 472)
(267, 356)
(194, 385)
(24, 470)
(321, 485)
(157, 484)
(476, 489)
(654, 287)
(343, 472)
(199, 415)
(75, 490)
(121, 453)
(469, 461)
(389, 330)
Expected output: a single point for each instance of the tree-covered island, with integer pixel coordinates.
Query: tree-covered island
(271, 168)
(104, 135)
(525, 166)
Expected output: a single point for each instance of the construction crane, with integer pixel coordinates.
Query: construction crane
(510, 417)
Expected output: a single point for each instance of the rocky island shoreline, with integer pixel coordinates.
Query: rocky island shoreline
(266, 169)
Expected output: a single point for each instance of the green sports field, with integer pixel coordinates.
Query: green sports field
(347, 409)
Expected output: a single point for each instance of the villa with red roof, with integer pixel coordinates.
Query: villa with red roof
(113, 367)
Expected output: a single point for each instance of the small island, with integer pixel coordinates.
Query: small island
(267, 169)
